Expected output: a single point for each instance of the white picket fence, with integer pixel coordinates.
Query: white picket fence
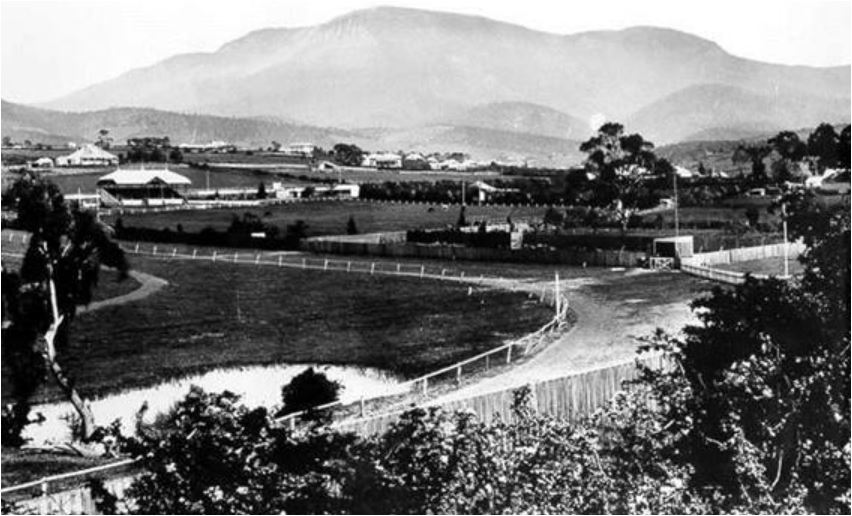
(701, 264)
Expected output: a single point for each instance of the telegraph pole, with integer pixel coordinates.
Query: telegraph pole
(676, 222)
(557, 300)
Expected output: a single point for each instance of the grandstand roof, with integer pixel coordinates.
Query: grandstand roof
(136, 177)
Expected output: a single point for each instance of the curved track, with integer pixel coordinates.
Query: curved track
(606, 330)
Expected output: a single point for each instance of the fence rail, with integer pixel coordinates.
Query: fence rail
(569, 397)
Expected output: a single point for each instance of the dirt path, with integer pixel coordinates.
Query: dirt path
(148, 285)
(605, 331)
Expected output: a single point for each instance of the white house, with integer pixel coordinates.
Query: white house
(44, 162)
(382, 160)
(88, 156)
(300, 149)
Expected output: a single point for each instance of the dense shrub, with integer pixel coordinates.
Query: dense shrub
(490, 239)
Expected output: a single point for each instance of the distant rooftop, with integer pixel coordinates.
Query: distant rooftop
(134, 177)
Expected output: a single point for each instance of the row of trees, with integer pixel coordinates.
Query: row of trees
(790, 157)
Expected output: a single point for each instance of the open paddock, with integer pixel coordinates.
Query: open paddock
(214, 315)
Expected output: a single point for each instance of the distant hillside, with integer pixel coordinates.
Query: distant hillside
(57, 128)
(480, 143)
(710, 111)
(524, 117)
(54, 127)
(393, 67)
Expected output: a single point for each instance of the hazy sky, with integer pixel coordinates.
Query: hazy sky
(53, 47)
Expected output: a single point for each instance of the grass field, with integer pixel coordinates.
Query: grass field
(216, 315)
(330, 218)
(770, 266)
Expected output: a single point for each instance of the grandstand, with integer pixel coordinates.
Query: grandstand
(142, 188)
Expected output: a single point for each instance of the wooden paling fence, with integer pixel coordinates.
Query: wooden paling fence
(701, 264)
(570, 398)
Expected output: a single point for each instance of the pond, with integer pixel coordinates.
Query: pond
(257, 385)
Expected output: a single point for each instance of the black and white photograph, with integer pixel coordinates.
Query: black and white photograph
(426, 256)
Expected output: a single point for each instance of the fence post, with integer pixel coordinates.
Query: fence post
(349, 266)
(235, 257)
(458, 375)
(257, 259)
(44, 500)
(174, 252)
(325, 265)
(280, 261)
(443, 271)
(425, 385)
(461, 275)
(214, 256)
(362, 406)
(136, 250)
(194, 253)
(292, 422)
(397, 268)
(487, 362)
(422, 270)
(509, 355)
(304, 263)
(154, 252)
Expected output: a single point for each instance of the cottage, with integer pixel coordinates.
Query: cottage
(88, 156)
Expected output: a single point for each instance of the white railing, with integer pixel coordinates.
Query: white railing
(492, 358)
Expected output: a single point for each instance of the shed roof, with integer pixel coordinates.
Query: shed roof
(129, 177)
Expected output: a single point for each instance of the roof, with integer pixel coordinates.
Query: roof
(144, 177)
(91, 151)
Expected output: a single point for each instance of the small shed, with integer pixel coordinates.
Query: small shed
(674, 247)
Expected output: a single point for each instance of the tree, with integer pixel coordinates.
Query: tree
(348, 154)
(843, 147)
(620, 161)
(104, 140)
(791, 150)
(59, 271)
(823, 145)
(351, 228)
(767, 376)
(307, 390)
(7, 141)
(462, 221)
(754, 154)
(276, 146)
(261, 191)
(175, 155)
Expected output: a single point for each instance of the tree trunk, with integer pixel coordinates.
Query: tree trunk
(87, 418)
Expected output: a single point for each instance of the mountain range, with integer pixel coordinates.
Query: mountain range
(402, 72)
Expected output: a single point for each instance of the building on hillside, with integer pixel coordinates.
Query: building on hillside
(214, 146)
(338, 191)
(44, 162)
(484, 191)
(300, 149)
(415, 161)
(142, 187)
(834, 181)
(382, 160)
(328, 166)
(149, 142)
(88, 155)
